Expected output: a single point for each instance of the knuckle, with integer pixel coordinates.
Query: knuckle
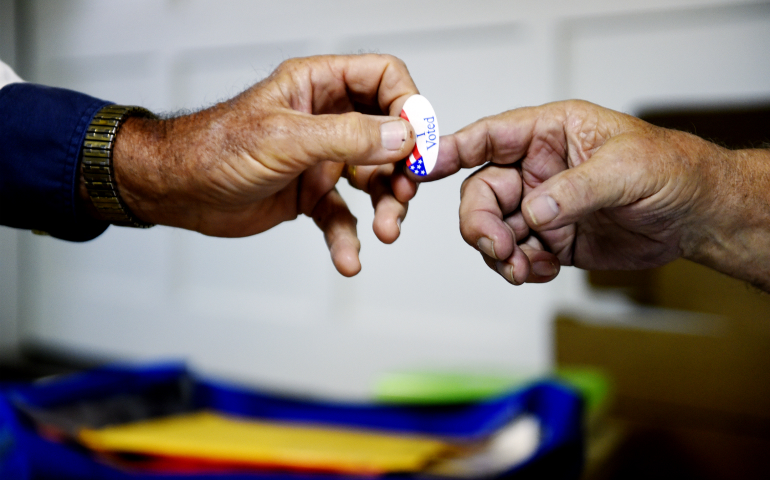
(291, 69)
(290, 64)
(394, 60)
(576, 104)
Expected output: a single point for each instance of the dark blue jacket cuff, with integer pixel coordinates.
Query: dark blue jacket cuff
(41, 134)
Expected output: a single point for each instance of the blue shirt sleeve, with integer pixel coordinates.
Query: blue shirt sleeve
(41, 134)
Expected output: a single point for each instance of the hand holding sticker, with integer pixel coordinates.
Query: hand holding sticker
(419, 112)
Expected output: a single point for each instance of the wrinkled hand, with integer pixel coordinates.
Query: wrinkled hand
(572, 183)
(276, 151)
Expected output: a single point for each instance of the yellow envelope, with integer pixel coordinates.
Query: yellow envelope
(212, 436)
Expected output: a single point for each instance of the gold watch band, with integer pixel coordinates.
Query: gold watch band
(97, 164)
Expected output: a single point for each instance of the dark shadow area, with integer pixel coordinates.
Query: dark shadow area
(692, 400)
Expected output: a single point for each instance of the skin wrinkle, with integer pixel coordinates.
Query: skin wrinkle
(253, 171)
(670, 189)
(494, 213)
(326, 215)
(381, 103)
(508, 151)
(580, 155)
(530, 180)
(384, 102)
(221, 181)
(231, 177)
(305, 89)
(572, 124)
(568, 189)
(379, 87)
(656, 219)
(462, 158)
(279, 129)
(349, 92)
(376, 183)
(318, 103)
(504, 197)
(284, 82)
(323, 212)
(489, 147)
(653, 259)
(518, 226)
(338, 101)
(492, 189)
(231, 139)
(538, 155)
(485, 211)
(649, 236)
(242, 150)
(565, 250)
(353, 126)
(567, 151)
(725, 182)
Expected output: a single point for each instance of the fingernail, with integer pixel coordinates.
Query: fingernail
(398, 224)
(544, 269)
(393, 134)
(506, 270)
(543, 209)
(487, 246)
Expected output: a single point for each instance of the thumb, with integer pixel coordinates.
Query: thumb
(612, 177)
(357, 139)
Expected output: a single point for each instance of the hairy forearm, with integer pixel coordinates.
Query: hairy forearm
(732, 235)
(148, 178)
(143, 167)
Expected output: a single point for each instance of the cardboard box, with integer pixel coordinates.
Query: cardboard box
(691, 392)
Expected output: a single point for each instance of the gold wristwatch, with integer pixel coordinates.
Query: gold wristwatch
(97, 164)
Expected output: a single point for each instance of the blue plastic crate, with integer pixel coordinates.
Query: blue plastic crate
(25, 455)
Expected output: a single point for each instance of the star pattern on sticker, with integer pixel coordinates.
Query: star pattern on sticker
(418, 168)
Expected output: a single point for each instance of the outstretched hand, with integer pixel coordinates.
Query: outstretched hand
(276, 151)
(572, 183)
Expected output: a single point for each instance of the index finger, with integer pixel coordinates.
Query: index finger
(486, 197)
(381, 77)
(335, 83)
(501, 139)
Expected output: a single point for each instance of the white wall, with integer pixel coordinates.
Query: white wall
(254, 309)
(9, 265)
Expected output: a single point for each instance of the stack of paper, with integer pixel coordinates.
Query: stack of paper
(225, 440)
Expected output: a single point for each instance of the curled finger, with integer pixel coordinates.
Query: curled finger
(389, 212)
(482, 199)
(516, 268)
(544, 265)
(333, 217)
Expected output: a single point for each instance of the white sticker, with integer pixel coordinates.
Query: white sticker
(418, 111)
